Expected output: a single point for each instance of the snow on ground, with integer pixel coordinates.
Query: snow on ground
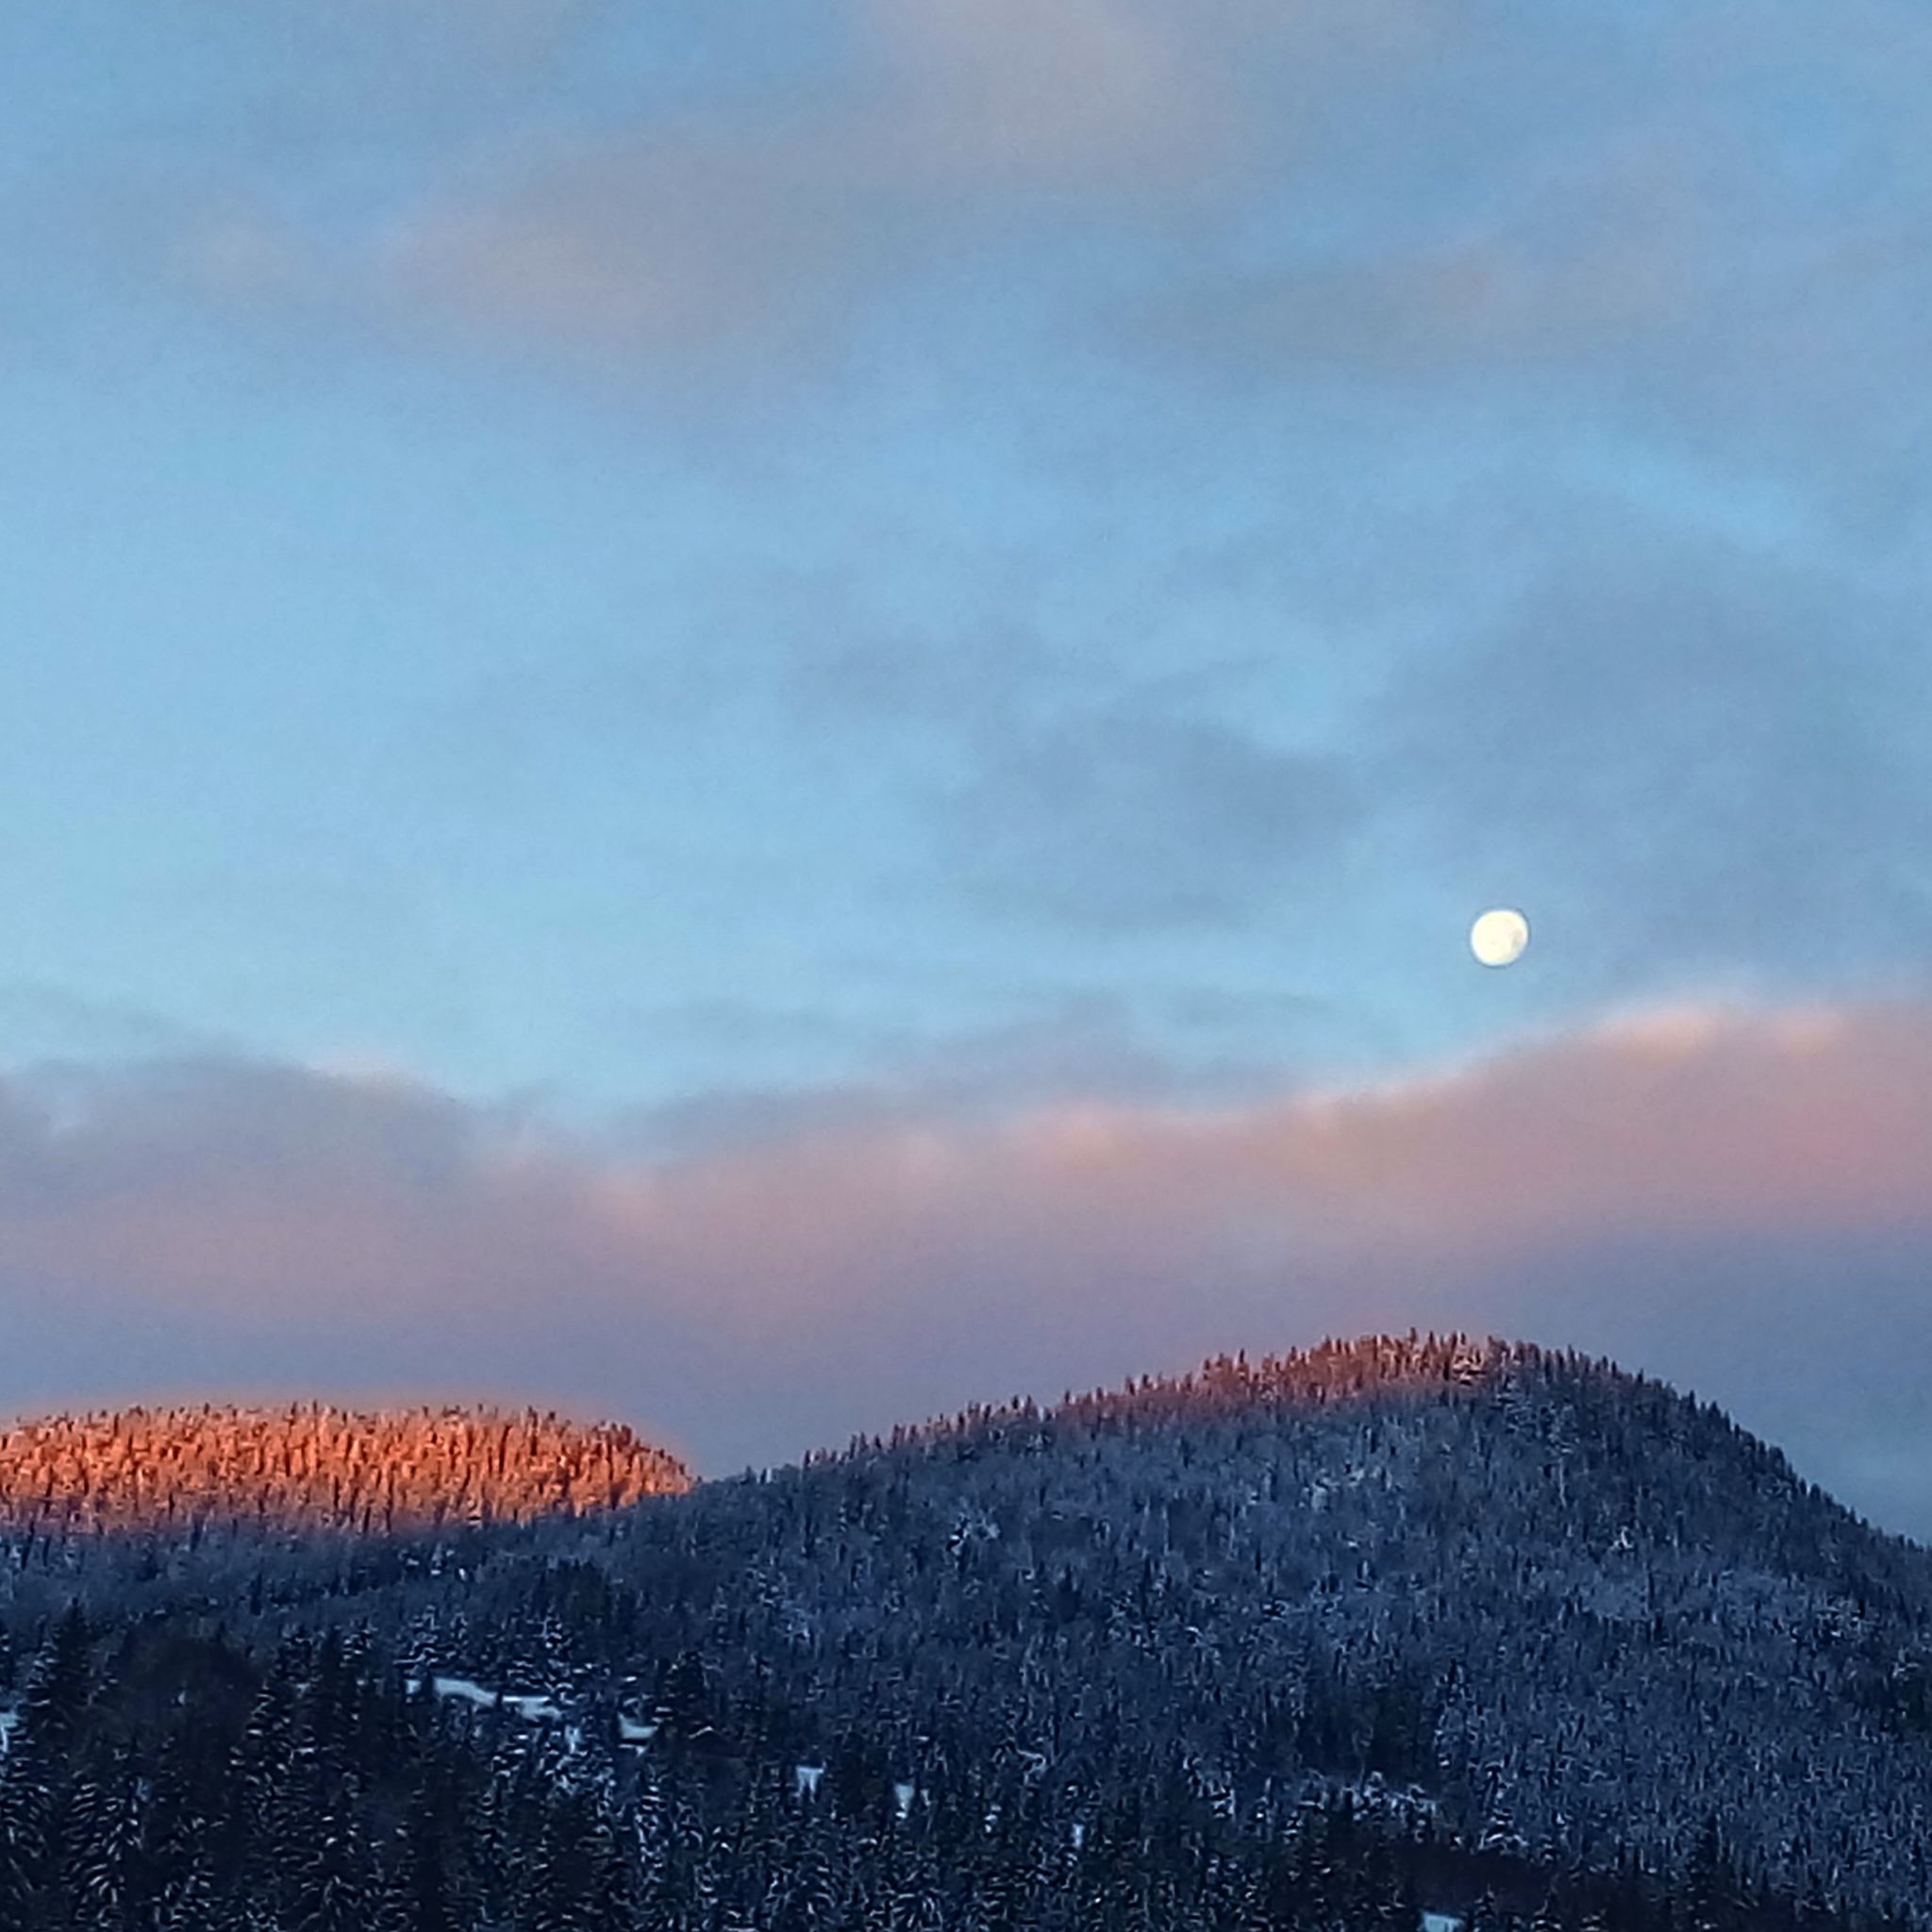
(537, 1709)
(453, 1687)
(1441, 1922)
(532, 1710)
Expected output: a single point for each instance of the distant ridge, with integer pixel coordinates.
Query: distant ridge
(1550, 1390)
(1334, 1370)
(313, 1467)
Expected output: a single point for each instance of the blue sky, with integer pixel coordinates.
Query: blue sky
(693, 573)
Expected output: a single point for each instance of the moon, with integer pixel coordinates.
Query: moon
(1498, 938)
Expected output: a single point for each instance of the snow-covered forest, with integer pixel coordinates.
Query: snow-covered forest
(1326, 1642)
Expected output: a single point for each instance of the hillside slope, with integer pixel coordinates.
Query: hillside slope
(1499, 1598)
(1569, 1609)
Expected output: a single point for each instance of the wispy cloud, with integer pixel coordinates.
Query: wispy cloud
(734, 227)
(1133, 818)
(1695, 230)
(698, 223)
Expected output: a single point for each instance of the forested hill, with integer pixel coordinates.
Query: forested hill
(1569, 1609)
(1601, 1422)
(312, 1467)
(1295, 1646)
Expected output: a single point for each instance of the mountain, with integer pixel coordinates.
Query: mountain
(312, 1467)
(1308, 1642)
(1566, 1609)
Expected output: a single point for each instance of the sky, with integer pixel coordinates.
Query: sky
(764, 718)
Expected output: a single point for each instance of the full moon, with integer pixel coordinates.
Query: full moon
(1498, 938)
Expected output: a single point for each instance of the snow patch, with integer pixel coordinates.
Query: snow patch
(537, 1709)
(534, 1709)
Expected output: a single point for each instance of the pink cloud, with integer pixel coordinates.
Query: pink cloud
(213, 1180)
(1700, 1121)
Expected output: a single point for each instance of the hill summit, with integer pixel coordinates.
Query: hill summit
(313, 1467)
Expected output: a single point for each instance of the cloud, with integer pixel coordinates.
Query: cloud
(1708, 233)
(1065, 1040)
(754, 226)
(1696, 755)
(1088, 93)
(1716, 229)
(1089, 791)
(1137, 817)
(697, 222)
(1729, 1195)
